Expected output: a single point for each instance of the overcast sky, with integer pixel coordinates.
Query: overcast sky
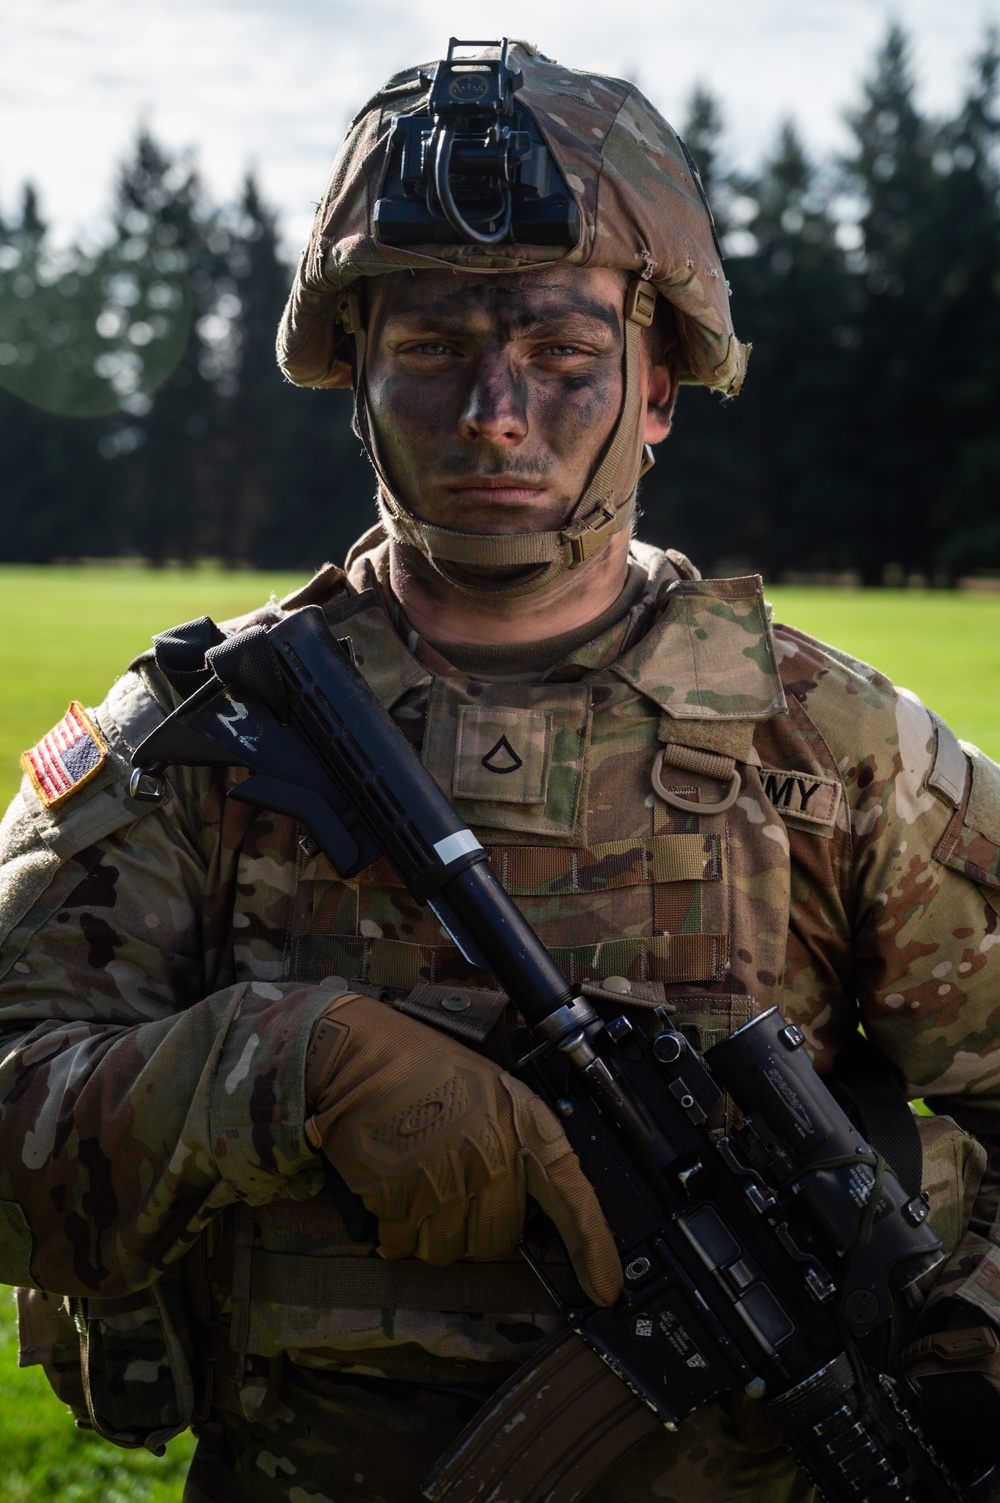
(272, 83)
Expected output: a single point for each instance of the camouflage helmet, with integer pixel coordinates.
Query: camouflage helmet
(637, 207)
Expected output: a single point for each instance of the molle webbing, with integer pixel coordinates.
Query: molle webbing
(685, 910)
(536, 871)
(476, 1015)
(399, 965)
(363, 1283)
(463, 1011)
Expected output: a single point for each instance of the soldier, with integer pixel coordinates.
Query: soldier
(694, 807)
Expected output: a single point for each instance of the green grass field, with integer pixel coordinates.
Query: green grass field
(66, 633)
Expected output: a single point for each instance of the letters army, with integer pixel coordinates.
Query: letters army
(212, 1037)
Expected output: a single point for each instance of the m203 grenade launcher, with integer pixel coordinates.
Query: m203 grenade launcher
(756, 1261)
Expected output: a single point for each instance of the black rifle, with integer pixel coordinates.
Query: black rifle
(753, 1262)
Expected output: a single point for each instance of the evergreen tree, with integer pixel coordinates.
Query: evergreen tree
(31, 230)
(964, 522)
(693, 496)
(168, 249)
(298, 485)
(792, 298)
(894, 451)
(745, 483)
(51, 499)
(255, 420)
(702, 134)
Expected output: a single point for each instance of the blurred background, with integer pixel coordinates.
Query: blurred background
(157, 178)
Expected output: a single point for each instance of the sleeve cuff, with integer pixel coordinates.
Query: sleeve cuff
(257, 1110)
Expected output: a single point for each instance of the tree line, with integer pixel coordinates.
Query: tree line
(141, 411)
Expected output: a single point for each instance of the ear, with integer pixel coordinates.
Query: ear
(661, 394)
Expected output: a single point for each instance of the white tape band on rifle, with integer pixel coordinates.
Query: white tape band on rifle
(452, 846)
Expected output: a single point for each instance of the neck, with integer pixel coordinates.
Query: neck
(443, 613)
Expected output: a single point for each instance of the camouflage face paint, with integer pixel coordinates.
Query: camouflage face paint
(492, 399)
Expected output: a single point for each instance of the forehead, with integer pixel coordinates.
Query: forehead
(553, 292)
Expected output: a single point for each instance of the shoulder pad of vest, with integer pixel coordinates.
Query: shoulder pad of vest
(711, 654)
(326, 584)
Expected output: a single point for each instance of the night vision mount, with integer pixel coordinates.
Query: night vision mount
(470, 167)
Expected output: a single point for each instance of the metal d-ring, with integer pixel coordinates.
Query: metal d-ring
(719, 806)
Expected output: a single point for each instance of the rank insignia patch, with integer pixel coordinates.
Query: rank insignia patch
(72, 753)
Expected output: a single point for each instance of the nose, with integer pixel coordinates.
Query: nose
(495, 409)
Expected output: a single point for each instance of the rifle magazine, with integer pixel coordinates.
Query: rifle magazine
(547, 1436)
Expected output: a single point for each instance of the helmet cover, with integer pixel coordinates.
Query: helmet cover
(640, 205)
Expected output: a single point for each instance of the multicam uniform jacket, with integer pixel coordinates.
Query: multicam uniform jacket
(163, 966)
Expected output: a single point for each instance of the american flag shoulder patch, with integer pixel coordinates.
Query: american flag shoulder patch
(72, 753)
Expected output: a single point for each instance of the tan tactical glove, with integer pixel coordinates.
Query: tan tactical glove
(443, 1146)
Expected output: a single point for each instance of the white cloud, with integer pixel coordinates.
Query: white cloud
(272, 83)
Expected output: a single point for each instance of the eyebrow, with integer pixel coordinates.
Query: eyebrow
(582, 313)
(451, 314)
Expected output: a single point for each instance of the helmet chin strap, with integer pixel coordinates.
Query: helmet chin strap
(606, 507)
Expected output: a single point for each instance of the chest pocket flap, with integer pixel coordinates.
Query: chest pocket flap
(511, 766)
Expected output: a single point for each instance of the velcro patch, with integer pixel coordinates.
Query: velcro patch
(802, 795)
(502, 754)
(72, 753)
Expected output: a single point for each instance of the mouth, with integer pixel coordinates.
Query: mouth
(509, 489)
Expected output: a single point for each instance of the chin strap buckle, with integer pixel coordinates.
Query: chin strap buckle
(592, 535)
(640, 304)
